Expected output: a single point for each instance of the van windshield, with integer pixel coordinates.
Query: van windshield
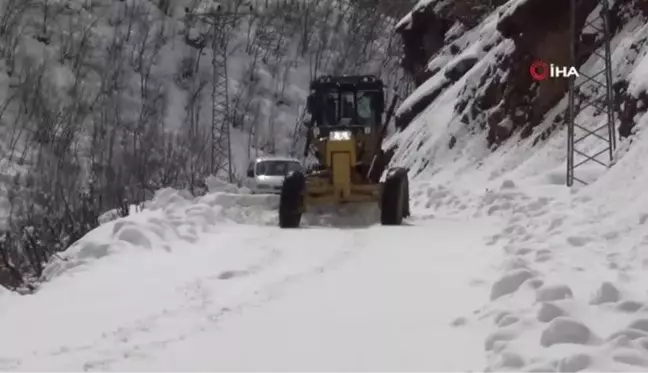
(276, 168)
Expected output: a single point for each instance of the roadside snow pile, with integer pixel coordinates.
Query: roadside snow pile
(174, 217)
(572, 290)
(571, 293)
(170, 217)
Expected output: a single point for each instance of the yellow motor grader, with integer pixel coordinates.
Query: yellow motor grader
(345, 133)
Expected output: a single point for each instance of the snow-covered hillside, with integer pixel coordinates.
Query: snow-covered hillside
(104, 102)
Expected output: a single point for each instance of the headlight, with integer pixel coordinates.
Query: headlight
(340, 135)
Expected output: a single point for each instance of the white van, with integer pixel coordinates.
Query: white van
(265, 175)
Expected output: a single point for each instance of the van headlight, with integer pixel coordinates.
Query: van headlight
(340, 135)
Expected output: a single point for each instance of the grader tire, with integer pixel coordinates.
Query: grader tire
(395, 197)
(290, 200)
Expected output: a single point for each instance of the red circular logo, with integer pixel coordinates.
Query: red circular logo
(539, 70)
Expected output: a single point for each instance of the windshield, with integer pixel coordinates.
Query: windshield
(349, 108)
(365, 112)
(276, 168)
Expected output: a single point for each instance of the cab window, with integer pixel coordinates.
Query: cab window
(331, 113)
(365, 110)
(349, 108)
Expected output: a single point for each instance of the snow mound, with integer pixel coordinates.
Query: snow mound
(569, 295)
(510, 282)
(174, 216)
(171, 216)
(565, 330)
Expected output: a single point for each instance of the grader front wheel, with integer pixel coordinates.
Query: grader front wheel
(290, 200)
(394, 205)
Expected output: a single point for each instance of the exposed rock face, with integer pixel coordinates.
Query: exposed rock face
(540, 30)
(425, 33)
(628, 106)
(422, 36)
(402, 120)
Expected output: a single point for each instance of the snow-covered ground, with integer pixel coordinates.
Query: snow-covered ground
(510, 278)
(500, 268)
(184, 286)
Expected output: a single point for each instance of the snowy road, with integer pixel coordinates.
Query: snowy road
(260, 298)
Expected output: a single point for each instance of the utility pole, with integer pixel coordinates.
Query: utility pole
(591, 91)
(223, 21)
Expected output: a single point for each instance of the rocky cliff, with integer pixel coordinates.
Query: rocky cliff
(506, 100)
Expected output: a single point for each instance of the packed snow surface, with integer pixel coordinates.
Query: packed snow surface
(183, 286)
(509, 278)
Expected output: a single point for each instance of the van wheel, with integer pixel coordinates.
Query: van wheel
(291, 200)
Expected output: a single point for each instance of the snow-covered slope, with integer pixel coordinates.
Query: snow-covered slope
(572, 290)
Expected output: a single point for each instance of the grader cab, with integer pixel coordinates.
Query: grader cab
(345, 134)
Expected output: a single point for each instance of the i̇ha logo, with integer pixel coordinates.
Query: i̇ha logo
(541, 70)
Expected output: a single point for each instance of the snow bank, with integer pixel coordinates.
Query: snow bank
(175, 218)
(570, 294)
(172, 216)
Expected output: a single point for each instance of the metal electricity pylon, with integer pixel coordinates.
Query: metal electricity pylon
(223, 21)
(592, 90)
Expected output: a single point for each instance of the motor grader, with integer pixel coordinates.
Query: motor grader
(345, 133)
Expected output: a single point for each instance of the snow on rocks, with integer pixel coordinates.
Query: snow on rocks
(629, 306)
(553, 292)
(557, 304)
(549, 311)
(572, 258)
(565, 330)
(509, 283)
(607, 293)
(574, 363)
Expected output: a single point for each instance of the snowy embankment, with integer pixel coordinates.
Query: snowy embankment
(571, 292)
(172, 217)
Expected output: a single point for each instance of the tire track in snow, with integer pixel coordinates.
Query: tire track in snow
(210, 313)
(197, 299)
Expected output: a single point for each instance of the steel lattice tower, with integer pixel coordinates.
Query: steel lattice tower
(221, 150)
(223, 21)
(593, 90)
